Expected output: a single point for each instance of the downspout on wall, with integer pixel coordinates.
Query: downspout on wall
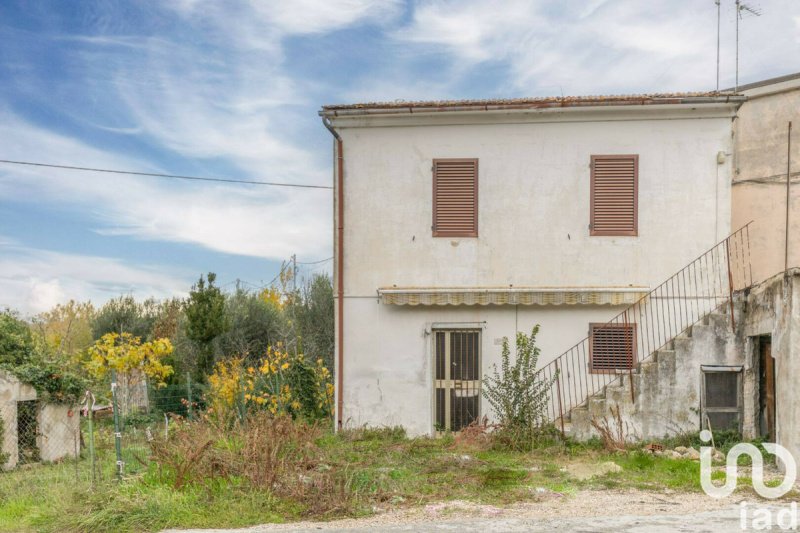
(339, 266)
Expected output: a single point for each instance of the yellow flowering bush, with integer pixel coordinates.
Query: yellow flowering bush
(279, 383)
(127, 354)
(133, 361)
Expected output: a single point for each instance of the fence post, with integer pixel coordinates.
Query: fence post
(117, 431)
(189, 395)
(90, 414)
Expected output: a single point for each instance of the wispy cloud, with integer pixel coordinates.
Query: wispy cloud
(251, 221)
(619, 46)
(231, 88)
(33, 280)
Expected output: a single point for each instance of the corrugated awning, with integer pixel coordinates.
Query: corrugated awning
(512, 295)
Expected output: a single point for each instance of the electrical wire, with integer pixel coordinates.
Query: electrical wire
(171, 176)
(314, 262)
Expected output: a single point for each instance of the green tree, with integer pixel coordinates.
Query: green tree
(314, 316)
(205, 321)
(16, 342)
(65, 330)
(252, 326)
(125, 314)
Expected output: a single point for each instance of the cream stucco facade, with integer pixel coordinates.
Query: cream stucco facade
(759, 186)
(533, 190)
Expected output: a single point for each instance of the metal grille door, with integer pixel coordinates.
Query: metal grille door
(458, 379)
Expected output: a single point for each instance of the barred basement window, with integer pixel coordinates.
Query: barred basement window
(455, 197)
(612, 347)
(721, 397)
(457, 385)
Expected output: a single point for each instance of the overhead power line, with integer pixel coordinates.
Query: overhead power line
(170, 176)
(314, 262)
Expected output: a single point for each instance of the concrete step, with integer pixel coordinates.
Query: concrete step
(615, 395)
(719, 320)
(698, 330)
(597, 408)
(682, 344)
(648, 367)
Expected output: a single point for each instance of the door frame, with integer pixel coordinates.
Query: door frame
(450, 328)
(766, 366)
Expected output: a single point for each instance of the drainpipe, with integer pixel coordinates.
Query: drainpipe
(339, 270)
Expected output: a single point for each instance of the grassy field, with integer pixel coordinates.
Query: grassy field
(379, 468)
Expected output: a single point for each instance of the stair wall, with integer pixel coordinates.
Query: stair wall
(665, 399)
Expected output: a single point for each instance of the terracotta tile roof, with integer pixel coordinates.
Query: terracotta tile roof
(528, 103)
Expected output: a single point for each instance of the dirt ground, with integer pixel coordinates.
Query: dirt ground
(593, 506)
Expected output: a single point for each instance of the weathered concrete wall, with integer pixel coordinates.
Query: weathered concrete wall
(11, 392)
(774, 309)
(59, 432)
(533, 185)
(760, 143)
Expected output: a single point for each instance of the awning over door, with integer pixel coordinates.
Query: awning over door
(512, 295)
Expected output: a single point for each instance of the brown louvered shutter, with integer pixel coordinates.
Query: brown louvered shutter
(455, 198)
(614, 195)
(612, 347)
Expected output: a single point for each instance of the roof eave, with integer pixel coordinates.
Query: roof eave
(343, 111)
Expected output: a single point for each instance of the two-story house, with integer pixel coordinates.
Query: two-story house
(458, 223)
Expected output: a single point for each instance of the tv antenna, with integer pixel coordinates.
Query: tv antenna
(718, 2)
(741, 8)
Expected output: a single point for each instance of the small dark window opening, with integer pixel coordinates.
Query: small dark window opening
(722, 398)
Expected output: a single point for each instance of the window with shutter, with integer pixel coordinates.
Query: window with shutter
(455, 198)
(612, 347)
(614, 195)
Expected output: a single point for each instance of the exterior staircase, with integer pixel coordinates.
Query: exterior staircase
(651, 351)
(660, 397)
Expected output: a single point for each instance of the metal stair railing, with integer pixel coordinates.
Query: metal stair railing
(699, 288)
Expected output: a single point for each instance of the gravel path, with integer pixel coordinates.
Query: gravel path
(607, 510)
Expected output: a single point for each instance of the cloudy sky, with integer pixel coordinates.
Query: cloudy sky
(232, 89)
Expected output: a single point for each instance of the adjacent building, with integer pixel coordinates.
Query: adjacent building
(760, 193)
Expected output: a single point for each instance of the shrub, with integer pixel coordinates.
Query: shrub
(52, 382)
(519, 394)
(280, 383)
(274, 454)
